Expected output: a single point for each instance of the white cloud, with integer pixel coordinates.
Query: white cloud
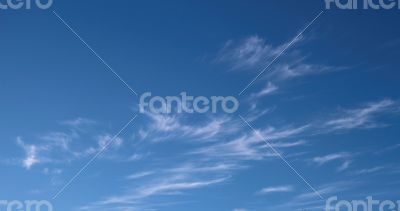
(191, 168)
(251, 52)
(288, 144)
(170, 185)
(49, 171)
(174, 180)
(387, 149)
(105, 141)
(364, 117)
(250, 146)
(136, 157)
(279, 189)
(31, 152)
(163, 127)
(345, 165)
(61, 147)
(310, 200)
(140, 175)
(256, 54)
(268, 90)
(163, 188)
(78, 122)
(41, 152)
(297, 68)
(370, 170)
(57, 139)
(331, 157)
(343, 157)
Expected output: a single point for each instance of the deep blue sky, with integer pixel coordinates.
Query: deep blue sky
(333, 112)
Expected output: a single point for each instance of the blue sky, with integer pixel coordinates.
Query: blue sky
(329, 105)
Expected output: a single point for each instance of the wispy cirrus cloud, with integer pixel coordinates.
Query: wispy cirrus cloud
(250, 146)
(256, 53)
(277, 189)
(268, 90)
(168, 185)
(140, 175)
(163, 127)
(167, 181)
(102, 141)
(61, 147)
(31, 152)
(370, 170)
(310, 201)
(364, 117)
(345, 165)
(388, 149)
(59, 139)
(219, 167)
(171, 187)
(331, 157)
(250, 52)
(344, 157)
(256, 113)
(79, 122)
(43, 151)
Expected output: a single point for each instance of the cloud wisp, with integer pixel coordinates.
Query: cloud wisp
(364, 117)
(278, 189)
(254, 52)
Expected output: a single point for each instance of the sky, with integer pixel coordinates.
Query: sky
(322, 118)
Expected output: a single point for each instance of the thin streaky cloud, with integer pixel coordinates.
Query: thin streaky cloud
(250, 146)
(289, 144)
(139, 175)
(175, 186)
(268, 90)
(78, 122)
(191, 168)
(168, 186)
(282, 52)
(94, 52)
(164, 127)
(31, 152)
(278, 189)
(254, 50)
(364, 117)
(283, 159)
(387, 149)
(370, 170)
(59, 139)
(93, 159)
(331, 157)
(307, 201)
(345, 165)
